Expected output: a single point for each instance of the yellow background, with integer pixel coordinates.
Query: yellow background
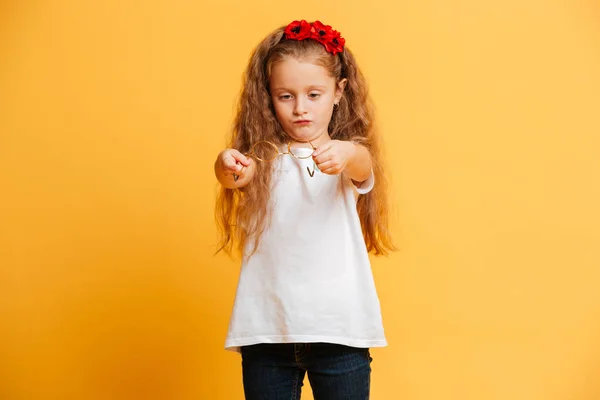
(112, 112)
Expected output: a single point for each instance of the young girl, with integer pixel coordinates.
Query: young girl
(303, 198)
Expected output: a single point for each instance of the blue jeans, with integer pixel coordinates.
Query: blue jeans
(335, 372)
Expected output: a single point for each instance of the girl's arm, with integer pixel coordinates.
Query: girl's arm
(359, 163)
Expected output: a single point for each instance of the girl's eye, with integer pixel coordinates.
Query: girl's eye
(314, 95)
(285, 97)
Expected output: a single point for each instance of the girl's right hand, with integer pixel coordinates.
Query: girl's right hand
(233, 169)
(233, 161)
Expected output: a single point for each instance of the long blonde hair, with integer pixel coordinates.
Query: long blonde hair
(243, 214)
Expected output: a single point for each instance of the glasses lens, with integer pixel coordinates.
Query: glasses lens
(265, 151)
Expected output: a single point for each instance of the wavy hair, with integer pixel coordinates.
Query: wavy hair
(243, 214)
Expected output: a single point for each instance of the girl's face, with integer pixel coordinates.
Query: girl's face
(303, 96)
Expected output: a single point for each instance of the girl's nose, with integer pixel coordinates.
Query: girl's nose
(299, 107)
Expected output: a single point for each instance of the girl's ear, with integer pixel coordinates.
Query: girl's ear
(339, 90)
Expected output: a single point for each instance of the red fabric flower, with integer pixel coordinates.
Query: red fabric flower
(321, 32)
(331, 39)
(298, 30)
(336, 44)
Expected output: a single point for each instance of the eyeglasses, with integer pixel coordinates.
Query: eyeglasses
(266, 151)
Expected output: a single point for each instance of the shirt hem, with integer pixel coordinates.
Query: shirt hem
(235, 344)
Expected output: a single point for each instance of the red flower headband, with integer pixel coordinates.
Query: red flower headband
(331, 39)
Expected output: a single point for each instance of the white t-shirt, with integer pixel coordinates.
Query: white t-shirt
(310, 279)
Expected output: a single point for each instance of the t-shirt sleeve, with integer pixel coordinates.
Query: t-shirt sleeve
(365, 186)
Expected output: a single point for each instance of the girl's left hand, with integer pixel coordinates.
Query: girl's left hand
(333, 156)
